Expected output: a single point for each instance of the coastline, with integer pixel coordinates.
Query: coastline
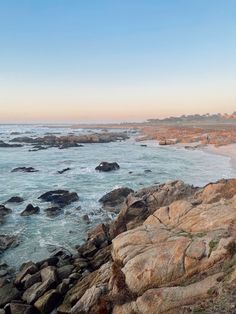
(226, 150)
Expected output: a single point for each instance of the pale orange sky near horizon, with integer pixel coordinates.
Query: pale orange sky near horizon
(27, 104)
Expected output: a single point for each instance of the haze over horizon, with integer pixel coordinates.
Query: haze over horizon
(69, 61)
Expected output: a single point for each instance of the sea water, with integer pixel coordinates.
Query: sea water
(37, 233)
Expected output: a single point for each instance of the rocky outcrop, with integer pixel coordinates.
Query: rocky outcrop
(63, 170)
(171, 249)
(107, 166)
(60, 198)
(70, 140)
(114, 200)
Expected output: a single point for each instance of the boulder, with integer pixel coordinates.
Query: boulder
(61, 198)
(7, 145)
(30, 210)
(7, 241)
(49, 301)
(107, 166)
(29, 268)
(53, 211)
(15, 199)
(4, 210)
(18, 308)
(114, 200)
(7, 293)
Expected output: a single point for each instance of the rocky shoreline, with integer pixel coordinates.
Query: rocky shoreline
(171, 249)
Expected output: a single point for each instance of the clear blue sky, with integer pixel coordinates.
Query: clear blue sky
(93, 56)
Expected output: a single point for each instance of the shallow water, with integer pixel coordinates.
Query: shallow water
(37, 232)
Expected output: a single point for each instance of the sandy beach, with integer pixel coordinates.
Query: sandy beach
(226, 150)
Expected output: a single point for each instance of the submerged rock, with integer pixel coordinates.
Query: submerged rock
(24, 169)
(4, 210)
(64, 170)
(6, 145)
(53, 211)
(15, 199)
(7, 241)
(61, 198)
(30, 210)
(107, 166)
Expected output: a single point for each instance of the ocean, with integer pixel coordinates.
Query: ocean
(38, 233)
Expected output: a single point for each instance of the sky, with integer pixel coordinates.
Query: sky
(119, 60)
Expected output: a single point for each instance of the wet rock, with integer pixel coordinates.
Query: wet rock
(107, 166)
(30, 280)
(53, 211)
(8, 241)
(15, 199)
(88, 249)
(24, 169)
(51, 261)
(46, 303)
(7, 293)
(4, 210)
(64, 170)
(30, 210)
(86, 219)
(60, 197)
(147, 171)
(6, 145)
(114, 200)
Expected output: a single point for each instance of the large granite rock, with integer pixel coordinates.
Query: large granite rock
(107, 166)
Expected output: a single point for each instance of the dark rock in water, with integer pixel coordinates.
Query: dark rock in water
(7, 293)
(4, 210)
(37, 148)
(107, 166)
(30, 210)
(64, 170)
(60, 197)
(7, 241)
(143, 145)
(68, 145)
(53, 211)
(24, 169)
(114, 200)
(85, 218)
(6, 145)
(15, 133)
(15, 199)
(147, 171)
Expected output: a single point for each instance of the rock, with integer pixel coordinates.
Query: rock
(15, 199)
(6, 145)
(60, 197)
(88, 249)
(46, 303)
(30, 210)
(4, 210)
(29, 268)
(114, 200)
(53, 211)
(7, 293)
(86, 219)
(30, 280)
(147, 171)
(24, 169)
(7, 241)
(18, 308)
(36, 291)
(49, 273)
(64, 170)
(64, 271)
(107, 166)
(90, 297)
